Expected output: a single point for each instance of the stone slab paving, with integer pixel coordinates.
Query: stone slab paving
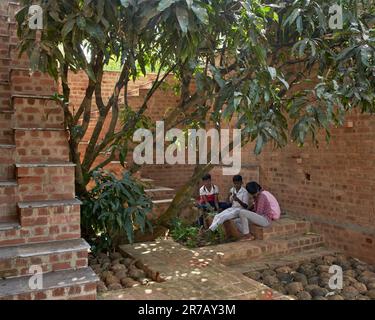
(189, 274)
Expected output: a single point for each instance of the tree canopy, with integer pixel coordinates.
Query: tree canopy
(246, 58)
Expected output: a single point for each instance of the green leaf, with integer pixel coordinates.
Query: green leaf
(68, 27)
(201, 13)
(299, 25)
(164, 4)
(259, 145)
(272, 71)
(183, 18)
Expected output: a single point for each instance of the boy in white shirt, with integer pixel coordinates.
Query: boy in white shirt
(239, 197)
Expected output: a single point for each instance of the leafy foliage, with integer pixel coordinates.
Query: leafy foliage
(113, 209)
(186, 234)
(278, 69)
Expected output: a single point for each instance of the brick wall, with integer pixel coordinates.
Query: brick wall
(333, 186)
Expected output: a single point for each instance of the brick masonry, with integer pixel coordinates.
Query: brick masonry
(39, 214)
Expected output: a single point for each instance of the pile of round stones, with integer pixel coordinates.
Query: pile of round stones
(311, 280)
(117, 272)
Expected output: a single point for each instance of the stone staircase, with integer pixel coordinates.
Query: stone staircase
(39, 214)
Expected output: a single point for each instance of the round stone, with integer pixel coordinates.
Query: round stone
(351, 273)
(362, 289)
(318, 261)
(313, 280)
(270, 281)
(371, 286)
(105, 274)
(121, 274)
(117, 261)
(129, 282)
(137, 274)
(102, 255)
(319, 292)
(346, 266)
(285, 278)
(323, 269)
(350, 279)
(280, 288)
(329, 260)
(336, 297)
(268, 273)
(284, 269)
(101, 287)
(361, 268)
(311, 273)
(128, 261)
(254, 275)
(118, 267)
(362, 297)
(368, 274)
(305, 267)
(310, 287)
(106, 266)
(294, 288)
(114, 286)
(299, 277)
(110, 279)
(350, 292)
(320, 298)
(97, 268)
(324, 282)
(371, 294)
(115, 255)
(304, 295)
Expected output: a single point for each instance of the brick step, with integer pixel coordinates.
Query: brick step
(8, 193)
(50, 256)
(41, 146)
(24, 82)
(5, 94)
(242, 251)
(59, 285)
(283, 227)
(37, 112)
(7, 168)
(4, 69)
(6, 125)
(159, 207)
(4, 48)
(43, 221)
(13, 8)
(160, 193)
(45, 181)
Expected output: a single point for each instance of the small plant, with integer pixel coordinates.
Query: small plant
(184, 233)
(113, 209)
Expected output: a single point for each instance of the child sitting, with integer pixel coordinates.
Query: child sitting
(239, 199)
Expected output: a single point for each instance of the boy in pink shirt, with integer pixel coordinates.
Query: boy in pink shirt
(264, 211)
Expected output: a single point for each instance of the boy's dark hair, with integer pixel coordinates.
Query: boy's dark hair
(253, 187)
(206, 177)
(237, 178)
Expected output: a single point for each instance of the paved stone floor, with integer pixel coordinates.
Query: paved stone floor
(190, 274)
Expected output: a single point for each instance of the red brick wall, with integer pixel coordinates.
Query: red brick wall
(333, 185)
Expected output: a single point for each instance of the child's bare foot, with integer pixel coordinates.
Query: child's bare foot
(248, 237)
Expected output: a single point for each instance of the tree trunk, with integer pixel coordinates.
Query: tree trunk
(183, 195)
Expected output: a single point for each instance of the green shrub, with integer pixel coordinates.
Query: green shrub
(186, 234)
(113, 209)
